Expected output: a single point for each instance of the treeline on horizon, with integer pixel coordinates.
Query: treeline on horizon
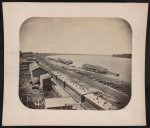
(114, 55)
(123, 55)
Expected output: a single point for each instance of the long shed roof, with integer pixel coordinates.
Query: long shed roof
(58, 102)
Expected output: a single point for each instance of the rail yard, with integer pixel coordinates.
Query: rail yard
(47, 83)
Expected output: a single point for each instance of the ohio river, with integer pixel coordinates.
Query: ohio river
(114, 64)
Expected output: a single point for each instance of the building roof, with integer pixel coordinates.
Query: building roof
(33, 66)
(35, 80)
(44, 76)
(58, 102)
(26, 62)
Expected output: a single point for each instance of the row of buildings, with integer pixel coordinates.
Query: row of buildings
(36, 85)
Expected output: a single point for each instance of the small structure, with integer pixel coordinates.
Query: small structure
(45, 82)
(25, 62)
(24, 65)
(26, 55)
(36, 71)
(59, 103)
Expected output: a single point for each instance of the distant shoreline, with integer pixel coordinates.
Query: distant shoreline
(123, 55)
(52, 54)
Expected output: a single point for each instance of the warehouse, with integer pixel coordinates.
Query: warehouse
(36, 71)
(45, 82)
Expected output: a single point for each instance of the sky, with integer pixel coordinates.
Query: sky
(75, 35)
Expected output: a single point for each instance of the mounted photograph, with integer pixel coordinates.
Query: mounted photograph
(75, 63)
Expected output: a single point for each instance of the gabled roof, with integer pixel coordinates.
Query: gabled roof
(45, 76)
(33, 66)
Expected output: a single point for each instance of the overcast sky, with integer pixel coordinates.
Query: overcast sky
(76, 35)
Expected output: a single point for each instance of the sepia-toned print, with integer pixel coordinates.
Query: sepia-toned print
(75, 63)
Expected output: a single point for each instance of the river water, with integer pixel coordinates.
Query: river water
(114, 64)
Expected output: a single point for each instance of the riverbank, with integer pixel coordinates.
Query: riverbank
(112, 89)
(121, 66)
